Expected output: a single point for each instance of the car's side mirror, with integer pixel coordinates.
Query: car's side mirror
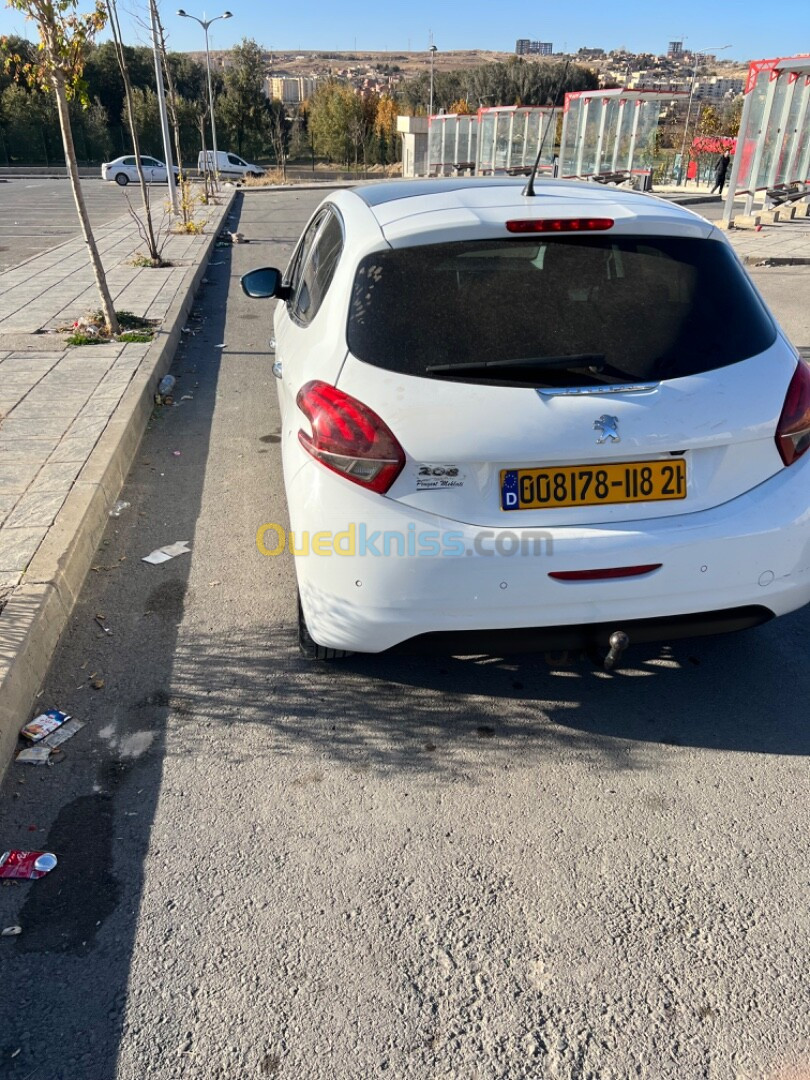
(264, 283)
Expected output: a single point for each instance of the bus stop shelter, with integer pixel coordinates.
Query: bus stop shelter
(452, 144)
(510, 136)
(610, 131)
(773, 145)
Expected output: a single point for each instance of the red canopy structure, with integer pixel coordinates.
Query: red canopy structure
(774, 138)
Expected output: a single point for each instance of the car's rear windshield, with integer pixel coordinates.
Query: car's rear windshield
(560, 311)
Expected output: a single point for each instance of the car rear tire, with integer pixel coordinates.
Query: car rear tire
(310, 649)
(121, 179)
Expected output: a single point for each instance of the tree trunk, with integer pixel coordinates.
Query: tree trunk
(205, 171)
(147, 232)
(107, 307)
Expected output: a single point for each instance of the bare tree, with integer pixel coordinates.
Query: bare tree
(147, 230)
(64, 35)
(171, 95)
(279, 135)
(208, 176)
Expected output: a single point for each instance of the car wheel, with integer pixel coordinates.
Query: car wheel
(121, 179)
(310, 650)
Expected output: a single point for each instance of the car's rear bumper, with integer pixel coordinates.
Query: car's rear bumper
(721, 569)
(586, 636)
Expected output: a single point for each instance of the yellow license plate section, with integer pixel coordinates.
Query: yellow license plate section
(593, 485)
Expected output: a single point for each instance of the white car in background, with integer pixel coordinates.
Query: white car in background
(227, 164)
(124, 171)
(533, 421)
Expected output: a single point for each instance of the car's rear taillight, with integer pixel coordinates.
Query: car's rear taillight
(349, 438)
(793, 430)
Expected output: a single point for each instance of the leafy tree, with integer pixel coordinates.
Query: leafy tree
(64, 35)
(385, 128)
(29, 125)
(189, 77)
(146, 115)
(708, 124)
(300, 145)
(17, 54)
(103, 75)
(333, 109)
(385, 122)
(516, 81)
(241, 108)
(98, 140)
(732, 115)
(32, 134)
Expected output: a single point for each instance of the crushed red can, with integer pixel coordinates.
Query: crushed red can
(28, 865)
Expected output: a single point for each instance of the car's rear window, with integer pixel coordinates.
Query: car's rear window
(595, 309)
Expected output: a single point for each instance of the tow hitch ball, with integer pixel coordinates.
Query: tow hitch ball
(618, 642)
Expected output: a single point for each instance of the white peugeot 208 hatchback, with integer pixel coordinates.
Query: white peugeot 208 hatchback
(514, 420)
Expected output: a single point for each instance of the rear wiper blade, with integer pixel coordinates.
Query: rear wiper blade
(530, 363)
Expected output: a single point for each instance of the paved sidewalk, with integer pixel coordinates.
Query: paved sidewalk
(55, 401)
(784, 240)
(55, 407)
(70, 421)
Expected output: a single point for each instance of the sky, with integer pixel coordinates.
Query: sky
(637, 25)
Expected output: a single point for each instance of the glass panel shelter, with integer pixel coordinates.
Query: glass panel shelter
(773, 146)
(608, 131)
(452, 142)
(509, 137)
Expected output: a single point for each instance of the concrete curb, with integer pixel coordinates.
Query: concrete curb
(688, 200)
(38, 611)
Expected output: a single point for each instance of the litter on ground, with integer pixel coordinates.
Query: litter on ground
(170, 551)
(34, 755)
(26, 865)
(43, 725)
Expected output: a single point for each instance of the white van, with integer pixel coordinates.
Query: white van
(227, 164)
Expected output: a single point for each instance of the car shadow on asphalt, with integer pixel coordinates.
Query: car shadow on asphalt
(67, 975)
(444, 716)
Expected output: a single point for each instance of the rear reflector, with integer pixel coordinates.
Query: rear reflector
(604, 575)
(793, 430)
(558, 225)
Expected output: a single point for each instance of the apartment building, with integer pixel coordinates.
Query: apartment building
(291, 90)
(525, 47)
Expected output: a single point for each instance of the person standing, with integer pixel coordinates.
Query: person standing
(720, 170)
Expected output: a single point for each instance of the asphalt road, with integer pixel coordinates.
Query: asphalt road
(38, 214)
(470, 867)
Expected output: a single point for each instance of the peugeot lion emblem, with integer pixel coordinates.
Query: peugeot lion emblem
(607, 425)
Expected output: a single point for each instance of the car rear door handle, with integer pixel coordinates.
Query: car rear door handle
(277, 369)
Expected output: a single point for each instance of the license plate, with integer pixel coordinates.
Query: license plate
(593, 485)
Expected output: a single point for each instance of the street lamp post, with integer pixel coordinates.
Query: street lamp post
(205, 23)
(698, 54)
(432, 54)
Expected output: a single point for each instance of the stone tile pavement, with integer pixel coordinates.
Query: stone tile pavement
(54, 407)
(56, 401)
(783, 240)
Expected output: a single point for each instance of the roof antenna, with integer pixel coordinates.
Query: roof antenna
(529, 189)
